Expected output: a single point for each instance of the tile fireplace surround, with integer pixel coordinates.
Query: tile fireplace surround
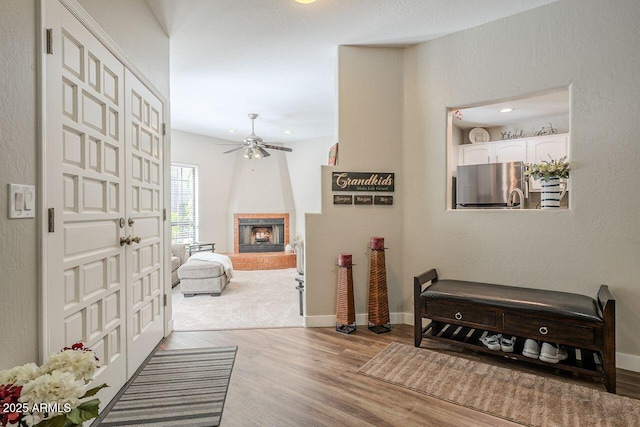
(261, 260)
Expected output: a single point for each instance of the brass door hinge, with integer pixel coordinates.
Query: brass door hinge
(49, 41)
(164, 129)
(164, 214)
(165, 300)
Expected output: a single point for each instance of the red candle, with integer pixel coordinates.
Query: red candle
(377, 243)
(344, 260)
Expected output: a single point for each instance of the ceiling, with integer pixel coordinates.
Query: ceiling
(542, 105)
(278, 58)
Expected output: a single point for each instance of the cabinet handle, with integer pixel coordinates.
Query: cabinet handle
(543, 330)
(458, 316)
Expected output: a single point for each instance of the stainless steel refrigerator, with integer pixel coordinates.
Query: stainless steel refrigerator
(490, 186)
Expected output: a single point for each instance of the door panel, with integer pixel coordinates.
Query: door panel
(145, 304)
(84, 155)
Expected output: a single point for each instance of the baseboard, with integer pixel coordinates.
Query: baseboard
(361, 319)
(629, 362)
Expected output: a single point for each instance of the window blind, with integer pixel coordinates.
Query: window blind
(184, 181)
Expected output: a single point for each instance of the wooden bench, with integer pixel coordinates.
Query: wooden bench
(462, 312)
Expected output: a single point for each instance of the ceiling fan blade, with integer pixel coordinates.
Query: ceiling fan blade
(276, 147)
(263, 152)
(230, 151)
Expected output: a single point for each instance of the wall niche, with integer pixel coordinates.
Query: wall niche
(529, 128)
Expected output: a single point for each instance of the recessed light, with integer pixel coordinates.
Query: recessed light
(305, 1)
(506, 110)
(288, 132)
(232, 130)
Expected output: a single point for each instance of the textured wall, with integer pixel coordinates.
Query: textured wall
(370, 134)
(590, 45)
(18, 157)
(305, 172)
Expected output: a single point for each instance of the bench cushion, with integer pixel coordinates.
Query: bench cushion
(533, 300)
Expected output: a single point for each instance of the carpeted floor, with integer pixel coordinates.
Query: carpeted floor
(253, 299)
(175, 388)
(516, 396)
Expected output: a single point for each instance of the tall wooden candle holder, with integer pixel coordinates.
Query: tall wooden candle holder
(346, 311)
(378, 297)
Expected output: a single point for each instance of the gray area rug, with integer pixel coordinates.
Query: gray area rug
(253, 299)
(505, 393)
(175, 388)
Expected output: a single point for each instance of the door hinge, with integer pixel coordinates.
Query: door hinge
(165, 300)
(164, 214)
(164, 129)
(49, 41)
(51, 212)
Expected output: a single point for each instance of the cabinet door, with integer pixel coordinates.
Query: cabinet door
(511, 151)
(539, 149)
(477, 154)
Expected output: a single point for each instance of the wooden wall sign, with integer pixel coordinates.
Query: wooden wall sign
(363, 200)
(339, 199)
(383, 200)
(362, 181)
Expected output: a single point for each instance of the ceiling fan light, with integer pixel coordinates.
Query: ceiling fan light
(257, 155)
(248, 153)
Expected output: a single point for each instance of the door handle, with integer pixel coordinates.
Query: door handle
(128, 240)
(131, 222)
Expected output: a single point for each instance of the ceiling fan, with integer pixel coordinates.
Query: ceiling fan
(254, 146)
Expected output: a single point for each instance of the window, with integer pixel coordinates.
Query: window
(184, 223)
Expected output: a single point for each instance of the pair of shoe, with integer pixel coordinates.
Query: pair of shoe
(550, 353)
(498, 342)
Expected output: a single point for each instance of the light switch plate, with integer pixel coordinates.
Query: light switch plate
(22, 201)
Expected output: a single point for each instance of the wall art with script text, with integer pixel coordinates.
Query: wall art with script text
(363, 181)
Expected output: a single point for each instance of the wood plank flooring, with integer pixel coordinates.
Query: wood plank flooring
(307, 377)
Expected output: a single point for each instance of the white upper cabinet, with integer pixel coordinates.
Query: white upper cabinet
(510, 151)
(476, 154)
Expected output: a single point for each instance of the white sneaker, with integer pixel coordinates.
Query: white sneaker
(552, 353)
(531, 349)
(506, 344)
(492, 342)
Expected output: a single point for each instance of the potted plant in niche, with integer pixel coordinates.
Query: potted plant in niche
(549, 173)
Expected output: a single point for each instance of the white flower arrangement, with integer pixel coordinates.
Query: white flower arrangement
(52, 394)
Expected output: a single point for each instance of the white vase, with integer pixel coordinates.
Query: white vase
(552, 192)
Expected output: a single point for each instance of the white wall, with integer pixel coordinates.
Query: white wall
(18, 154)
(590, 45)
(19, 148)
(370, 134)
(215, 173)
(305, 172)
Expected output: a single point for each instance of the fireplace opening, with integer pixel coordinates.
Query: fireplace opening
(261, 235)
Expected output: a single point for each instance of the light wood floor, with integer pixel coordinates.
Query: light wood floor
(307, 377)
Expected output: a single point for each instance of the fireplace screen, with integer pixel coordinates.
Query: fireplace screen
(261, 235)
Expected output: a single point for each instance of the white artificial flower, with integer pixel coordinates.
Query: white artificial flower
(80, 363)
(55, 388)
(20, 375)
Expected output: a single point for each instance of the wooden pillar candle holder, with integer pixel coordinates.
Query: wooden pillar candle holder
(345, 311)
(378, 297)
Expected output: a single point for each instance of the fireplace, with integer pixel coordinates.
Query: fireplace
(261, 232)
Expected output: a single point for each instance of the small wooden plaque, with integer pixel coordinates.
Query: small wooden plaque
(339, 199)
(383, 200)
(363, 200)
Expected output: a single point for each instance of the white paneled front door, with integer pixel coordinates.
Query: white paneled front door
(145, 323)
(103, 166)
